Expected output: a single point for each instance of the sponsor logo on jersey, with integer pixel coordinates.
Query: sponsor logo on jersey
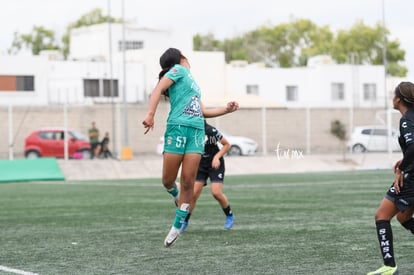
(169, 140)
(193, 107)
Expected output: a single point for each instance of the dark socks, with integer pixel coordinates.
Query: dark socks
(188, 217)
(228, 211)
(385, 239)
(409, 225)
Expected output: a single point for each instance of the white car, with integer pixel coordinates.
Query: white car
(372, 138)
(240, 146)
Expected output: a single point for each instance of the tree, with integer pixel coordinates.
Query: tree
(43, 39)
(339, 131)
(366, 45)
(38, 40)
(285, 45)
(206, 43)
(321, 40)
(234, 50)
(91, 18)
(232, 47)
(292, 44)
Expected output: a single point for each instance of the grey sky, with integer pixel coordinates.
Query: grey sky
(226, 18)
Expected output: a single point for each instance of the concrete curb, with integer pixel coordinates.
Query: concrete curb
(151, 166)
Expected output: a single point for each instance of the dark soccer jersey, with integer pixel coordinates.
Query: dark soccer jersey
(213, 137)
(407, 134)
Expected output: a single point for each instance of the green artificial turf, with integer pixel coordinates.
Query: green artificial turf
(310, 223)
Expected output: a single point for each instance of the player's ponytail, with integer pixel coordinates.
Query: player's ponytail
(160, 75)
(168, 59)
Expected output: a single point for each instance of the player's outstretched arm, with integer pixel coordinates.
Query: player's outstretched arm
(231, 107)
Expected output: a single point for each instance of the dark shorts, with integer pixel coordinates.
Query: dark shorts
(205, 171)
(405, 199)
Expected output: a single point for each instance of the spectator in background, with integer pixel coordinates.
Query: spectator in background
(94, 140)
(105, 152)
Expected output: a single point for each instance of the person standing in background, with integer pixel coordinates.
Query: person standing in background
(94, 140)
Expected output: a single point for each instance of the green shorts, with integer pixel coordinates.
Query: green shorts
(181, 140)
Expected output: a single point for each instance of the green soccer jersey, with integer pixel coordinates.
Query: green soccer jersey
(184, 98)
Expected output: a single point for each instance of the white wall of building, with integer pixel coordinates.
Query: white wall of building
(66, 81)
(57, 82)
(314, 84)
(36, 66)
(92, 42)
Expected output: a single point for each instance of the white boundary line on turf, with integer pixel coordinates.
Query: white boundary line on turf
(16, 271)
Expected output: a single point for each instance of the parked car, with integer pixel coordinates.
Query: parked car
(240, 146)
(371, 138)
(49, 142)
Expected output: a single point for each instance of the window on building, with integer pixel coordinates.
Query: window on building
(292, 93)
(338, 91)
(131, 45)
(252, 89)
(25, 83)
(100, 88)
(107, 88)
(370, 92)
(19, 83)
(91, 87)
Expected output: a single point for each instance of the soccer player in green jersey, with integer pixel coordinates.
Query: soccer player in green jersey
(184, 135)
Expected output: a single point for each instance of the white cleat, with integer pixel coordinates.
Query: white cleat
(172, 237)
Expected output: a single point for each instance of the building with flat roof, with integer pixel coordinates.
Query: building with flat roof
(94, 73)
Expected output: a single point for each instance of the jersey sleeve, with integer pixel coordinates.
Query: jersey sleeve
(175, 73)
(407, 131)
(218, 134)
(407, 135)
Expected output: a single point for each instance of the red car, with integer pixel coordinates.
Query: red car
(50, 143)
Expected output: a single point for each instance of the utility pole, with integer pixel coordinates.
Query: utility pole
(111, 88)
